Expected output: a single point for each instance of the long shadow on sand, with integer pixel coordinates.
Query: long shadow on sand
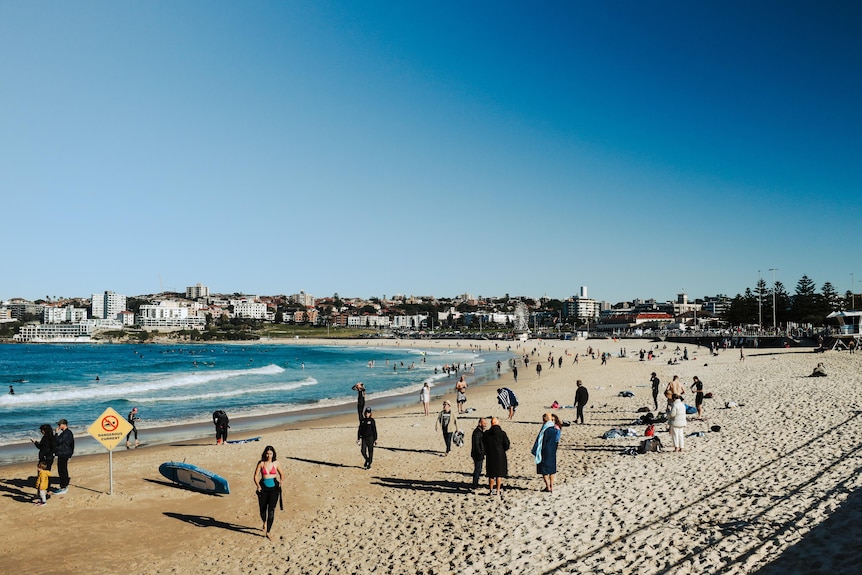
(428, 451)
(436, 486)
(204, 521)
(317, 462)
(849, 537)
(17, 489)
(831, 547)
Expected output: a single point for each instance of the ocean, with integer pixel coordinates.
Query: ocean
(181, 385)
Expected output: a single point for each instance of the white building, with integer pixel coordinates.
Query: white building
(408, 321)
(108, 305)
(54, 332)
(197, 291)
(68, 314)
(368, 321)
(248, 308)
(169, 315)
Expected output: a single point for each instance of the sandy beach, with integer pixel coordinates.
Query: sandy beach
(774, 491)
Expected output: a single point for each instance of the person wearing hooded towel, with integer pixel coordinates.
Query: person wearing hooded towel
(545, 451)
(506, 398)
(496, 463)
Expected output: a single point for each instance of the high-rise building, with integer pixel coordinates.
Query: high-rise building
(197, 291)
(108, 305)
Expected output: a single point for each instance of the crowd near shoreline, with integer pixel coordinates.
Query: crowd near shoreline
(768, 467)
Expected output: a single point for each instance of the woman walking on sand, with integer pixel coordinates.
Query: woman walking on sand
(448, 423)
(425, 395)
(268, 478)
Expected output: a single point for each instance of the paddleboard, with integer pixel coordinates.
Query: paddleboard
(249, 440)
(194, 477)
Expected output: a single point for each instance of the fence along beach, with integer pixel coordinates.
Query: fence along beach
(774, 491)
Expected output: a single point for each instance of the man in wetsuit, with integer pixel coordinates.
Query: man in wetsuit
(366, 436)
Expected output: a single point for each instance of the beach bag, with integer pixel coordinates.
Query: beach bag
(650, 430)
(653, 444)
(458, 438)
(690, 409)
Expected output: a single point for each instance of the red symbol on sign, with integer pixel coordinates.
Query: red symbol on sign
(110, 423)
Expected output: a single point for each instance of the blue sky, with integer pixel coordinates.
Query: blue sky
(377, 148)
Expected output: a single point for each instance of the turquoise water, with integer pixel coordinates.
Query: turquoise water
(183, 384)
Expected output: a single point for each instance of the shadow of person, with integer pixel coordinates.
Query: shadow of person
(15, 489)
(204, 521)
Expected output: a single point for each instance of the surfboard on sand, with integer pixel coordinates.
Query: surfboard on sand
(195, 477)
(249, 440)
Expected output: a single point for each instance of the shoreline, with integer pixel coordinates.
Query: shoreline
(85, 445)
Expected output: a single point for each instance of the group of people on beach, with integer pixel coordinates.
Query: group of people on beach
(59, 444)
(56, 443)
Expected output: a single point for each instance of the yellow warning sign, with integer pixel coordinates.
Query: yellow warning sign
(110, 429)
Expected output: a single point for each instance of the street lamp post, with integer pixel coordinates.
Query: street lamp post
(759, 303)
(774, 326)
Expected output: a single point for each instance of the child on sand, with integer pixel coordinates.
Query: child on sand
(42, 483)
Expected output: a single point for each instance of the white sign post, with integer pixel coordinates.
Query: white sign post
(109, 430)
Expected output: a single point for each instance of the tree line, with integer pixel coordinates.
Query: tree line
(805, 306)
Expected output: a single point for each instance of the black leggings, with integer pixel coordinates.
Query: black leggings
(267, 500)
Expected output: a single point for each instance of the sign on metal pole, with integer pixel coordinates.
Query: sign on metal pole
(109, 429)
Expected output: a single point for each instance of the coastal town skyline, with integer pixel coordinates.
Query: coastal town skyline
(640, 150)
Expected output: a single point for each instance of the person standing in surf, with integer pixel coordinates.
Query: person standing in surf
(268, 478)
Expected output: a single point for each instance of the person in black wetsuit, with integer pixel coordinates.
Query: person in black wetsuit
(366, 436)
(221, 422)
(655, 381)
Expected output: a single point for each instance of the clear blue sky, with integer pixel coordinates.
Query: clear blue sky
(370, 148)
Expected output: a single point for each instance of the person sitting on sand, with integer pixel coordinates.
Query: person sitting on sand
(819, 371)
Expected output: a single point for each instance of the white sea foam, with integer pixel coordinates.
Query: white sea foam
(158, 382)
(230, 393)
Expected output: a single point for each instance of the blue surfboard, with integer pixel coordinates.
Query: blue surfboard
(195, 477)
(249, 440)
